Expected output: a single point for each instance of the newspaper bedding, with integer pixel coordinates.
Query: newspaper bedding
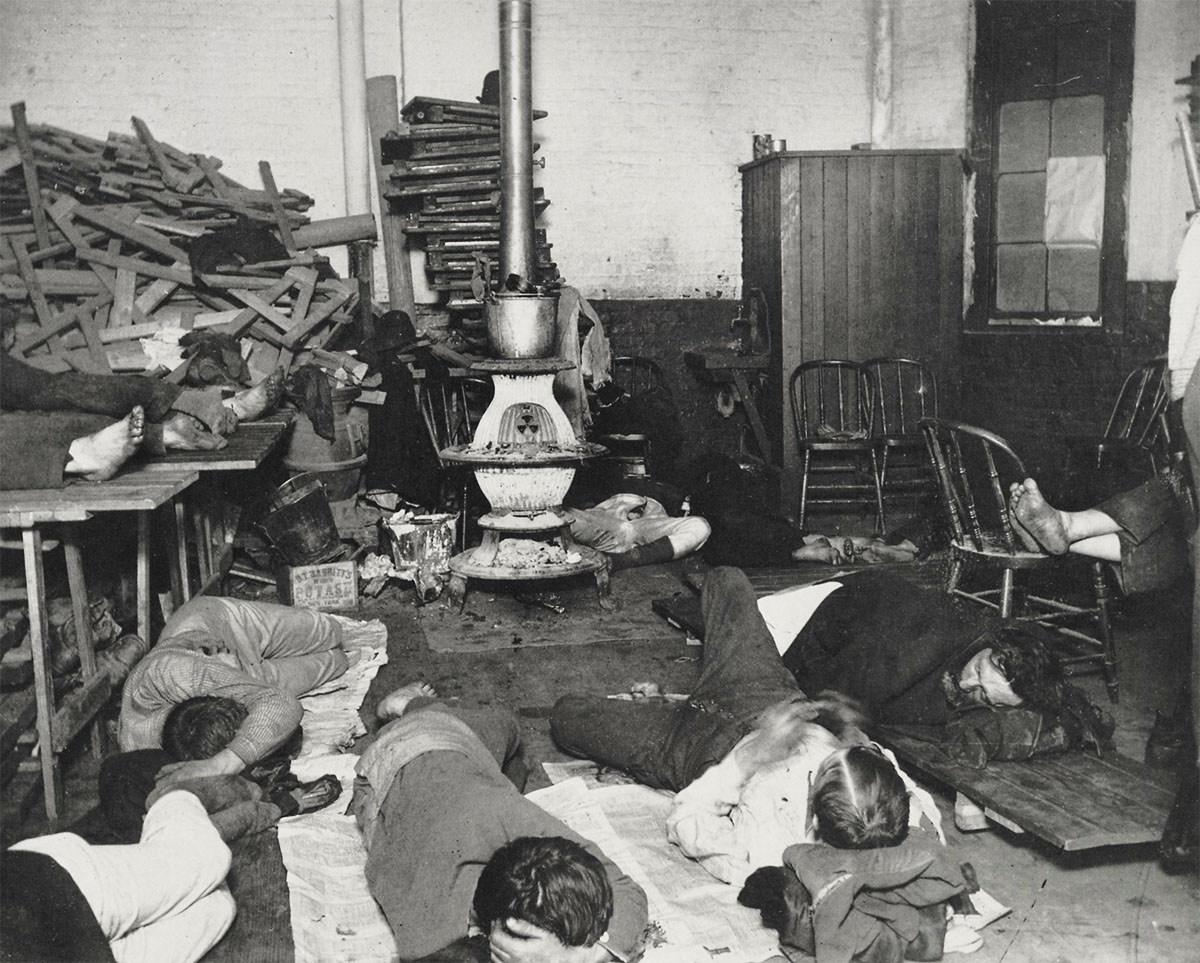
(693, 916)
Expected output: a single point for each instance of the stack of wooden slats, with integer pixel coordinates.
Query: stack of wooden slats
(94, 239)
(446, 183)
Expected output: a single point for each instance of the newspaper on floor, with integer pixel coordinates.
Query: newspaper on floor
(693, 916)
(331, 721)
(334, 916)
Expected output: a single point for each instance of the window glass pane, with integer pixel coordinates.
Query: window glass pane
(1074, 280)
(1020, 207)
(1024, 135)
(1077, 127)
(1082, 60)
(1020, 277)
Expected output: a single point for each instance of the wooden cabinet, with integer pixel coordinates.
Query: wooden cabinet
(858, 254)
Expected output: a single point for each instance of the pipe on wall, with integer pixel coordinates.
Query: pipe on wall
(356, 144)
(517, 252)
(881, 81)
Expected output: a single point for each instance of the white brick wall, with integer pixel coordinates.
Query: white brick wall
(652, 102)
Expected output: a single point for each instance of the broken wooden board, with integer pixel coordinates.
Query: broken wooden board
(1073, 800)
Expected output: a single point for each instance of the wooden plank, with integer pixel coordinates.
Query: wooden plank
(898, 337)
(135, 490)
(839, 324)
(142, 236)
(951, 314)
(880, 244)
(859, 271)
(29, 168)
(316, 317)
(79, 708)
(170, 176)
(383, 115)
(176, 274)
(264, 308)
(209, 167)
(812, 259)
(247, 449)
(123, 296)
(1074, 800)
(281, 216)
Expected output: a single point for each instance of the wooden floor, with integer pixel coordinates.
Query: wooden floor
(1107, 904)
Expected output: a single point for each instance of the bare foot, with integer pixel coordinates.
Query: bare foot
(257, 401)
(392, 705)
(1041, 521)
(184, 433)
(1015, 490)
(819, 550)
(98, 456)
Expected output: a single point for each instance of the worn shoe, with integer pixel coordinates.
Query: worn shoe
(318, 794)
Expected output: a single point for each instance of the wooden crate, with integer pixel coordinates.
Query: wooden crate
(330, 586)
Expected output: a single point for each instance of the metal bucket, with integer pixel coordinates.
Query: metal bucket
(300, 523)
(522, 325)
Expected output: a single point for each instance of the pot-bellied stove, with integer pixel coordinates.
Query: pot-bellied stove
(524, 455)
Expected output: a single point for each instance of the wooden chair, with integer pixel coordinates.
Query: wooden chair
(905, 392)
(449, 406)
(631, 452)
(974, 470)
(1136, 436)
(832, 404)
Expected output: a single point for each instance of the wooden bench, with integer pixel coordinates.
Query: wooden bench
(1073, 801)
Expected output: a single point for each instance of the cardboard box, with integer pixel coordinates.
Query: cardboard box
(329, 586)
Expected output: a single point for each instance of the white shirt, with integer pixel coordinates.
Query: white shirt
(733, 823)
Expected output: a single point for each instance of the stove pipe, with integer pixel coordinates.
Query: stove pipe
(518, 254)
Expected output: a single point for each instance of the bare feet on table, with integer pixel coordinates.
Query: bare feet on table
(1039, 525)
(392, 705)
(257, 401)
(182, 432)
(99, 455)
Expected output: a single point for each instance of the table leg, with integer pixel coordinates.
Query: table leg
(43, 685)
(82, 613)
(750, 407)
(185, 586)
(143, 575)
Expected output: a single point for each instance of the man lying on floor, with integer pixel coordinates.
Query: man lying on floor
(162, 899)
(466, 868)
(755, 770)
(217, 695)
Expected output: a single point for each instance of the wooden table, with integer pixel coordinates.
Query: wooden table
(247, 449)
(136, 490)
(726, 366)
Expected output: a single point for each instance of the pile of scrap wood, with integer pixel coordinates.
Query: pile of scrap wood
(106, 243)
(446, 182)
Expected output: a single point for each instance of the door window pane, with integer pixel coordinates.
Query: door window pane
(1024, 135)
(1074, 280)
(1020, 277)
(1077, 127)
(1020, 207)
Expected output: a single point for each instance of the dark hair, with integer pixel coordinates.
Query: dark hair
(200, 727)
(548, 881)
(859, 800)
(1032, 672)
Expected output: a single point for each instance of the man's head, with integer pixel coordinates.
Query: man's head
(200, 727)
(859, 800)
(549, 881)
(1015, 669)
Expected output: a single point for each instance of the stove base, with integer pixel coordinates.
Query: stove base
(478, 563)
